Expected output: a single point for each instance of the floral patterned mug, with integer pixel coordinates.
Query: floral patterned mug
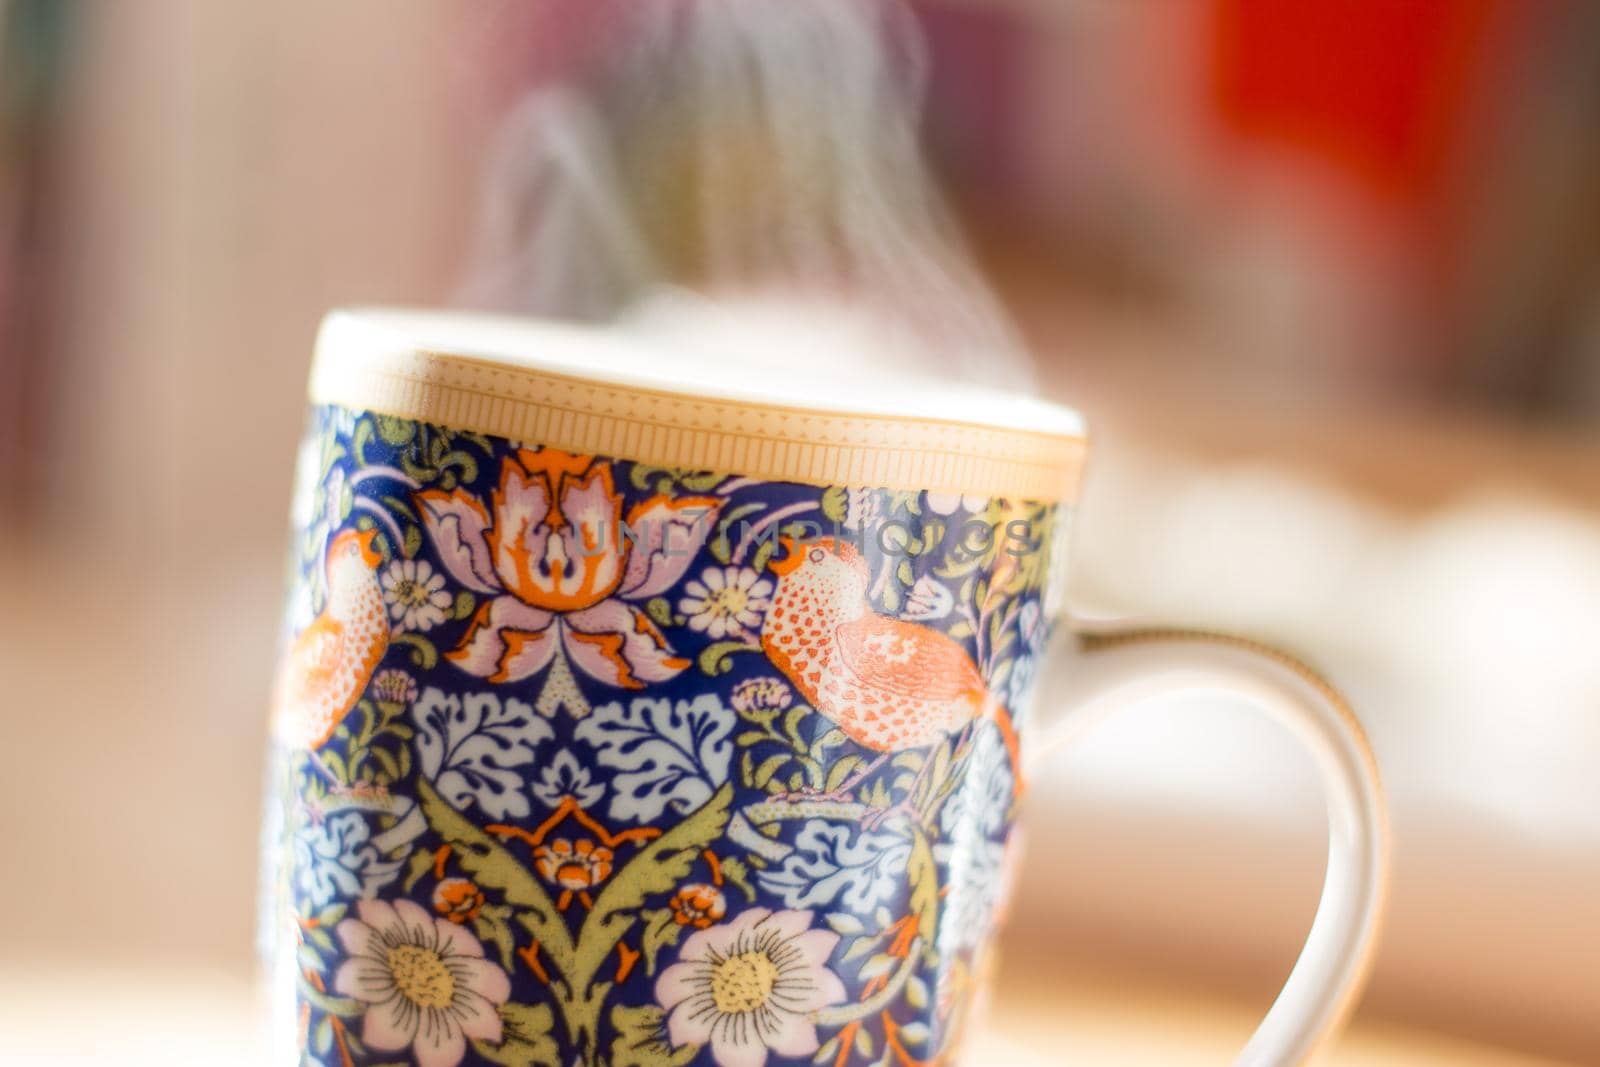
(638, 712)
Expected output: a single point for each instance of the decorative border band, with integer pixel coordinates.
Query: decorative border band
(667, 429)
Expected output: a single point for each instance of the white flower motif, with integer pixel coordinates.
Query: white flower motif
(973, 822)
(424, 981)
(342, 421)
(948, 504)
(749, 986)
(565, 777)
(929, 600)
(1020, 690)
(973, 892)
(472, 748)
(669, 753)
(726, 600)
(416, 596)
(980, 803)
(1030, 625)
(336, 859)
(862, 508)
(833, 866)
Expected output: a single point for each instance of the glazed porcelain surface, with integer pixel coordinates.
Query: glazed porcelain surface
(583, 759)
(663, 708)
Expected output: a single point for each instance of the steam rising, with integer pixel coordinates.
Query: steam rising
(761, 155)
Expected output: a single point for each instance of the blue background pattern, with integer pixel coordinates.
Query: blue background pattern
(440, 786)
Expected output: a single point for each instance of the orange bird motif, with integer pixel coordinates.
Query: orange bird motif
(888, 684)
(329, 665)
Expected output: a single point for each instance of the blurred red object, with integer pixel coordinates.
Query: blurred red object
(1378, 89)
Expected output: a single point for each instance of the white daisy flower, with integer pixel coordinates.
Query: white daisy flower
(726, 600)
(416, 596)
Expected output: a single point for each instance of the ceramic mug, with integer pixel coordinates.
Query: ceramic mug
(638, 711)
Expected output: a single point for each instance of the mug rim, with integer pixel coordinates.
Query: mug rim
(598, 390)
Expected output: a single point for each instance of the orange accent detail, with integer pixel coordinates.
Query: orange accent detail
(458, 496)
(371, 555)
(440, 856)
(338, 1037)
(698, 905)
(643, 625)
(791, 557)
(530, 956)
(515, 641)
(1008, 734)
(891, 1037)
(480, 619)
(362, 538)
(555, 467)
(715, 865)
(458, 899)
(708, 504)
(847, 1040)
(610, 647)
(570, 807)
(556, 472)
(905, 933)
(627, 957)
(573, 866)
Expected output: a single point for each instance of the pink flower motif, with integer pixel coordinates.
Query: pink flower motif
(749, 986)
(762, 694)
(394, 686)
(550, 555)
(424, 980)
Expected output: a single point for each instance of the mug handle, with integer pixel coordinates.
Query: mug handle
(1121, 666)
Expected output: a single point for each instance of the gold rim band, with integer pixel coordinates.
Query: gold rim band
(667, 429)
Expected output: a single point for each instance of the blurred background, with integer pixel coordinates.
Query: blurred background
(1325, 278)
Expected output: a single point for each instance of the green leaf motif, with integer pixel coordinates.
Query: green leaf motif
(363, 437)
(834, 500)
(642, 1039)
(736, 874)
(344, 1007)
(491, 928)
(660, 610)
(660, 930)
(924, 877)
(493, 867)
(717, 657)
(656, 868)
(526, 1039)
(423, 653)
(322, 1036)
(395, 431)
(420, 863)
